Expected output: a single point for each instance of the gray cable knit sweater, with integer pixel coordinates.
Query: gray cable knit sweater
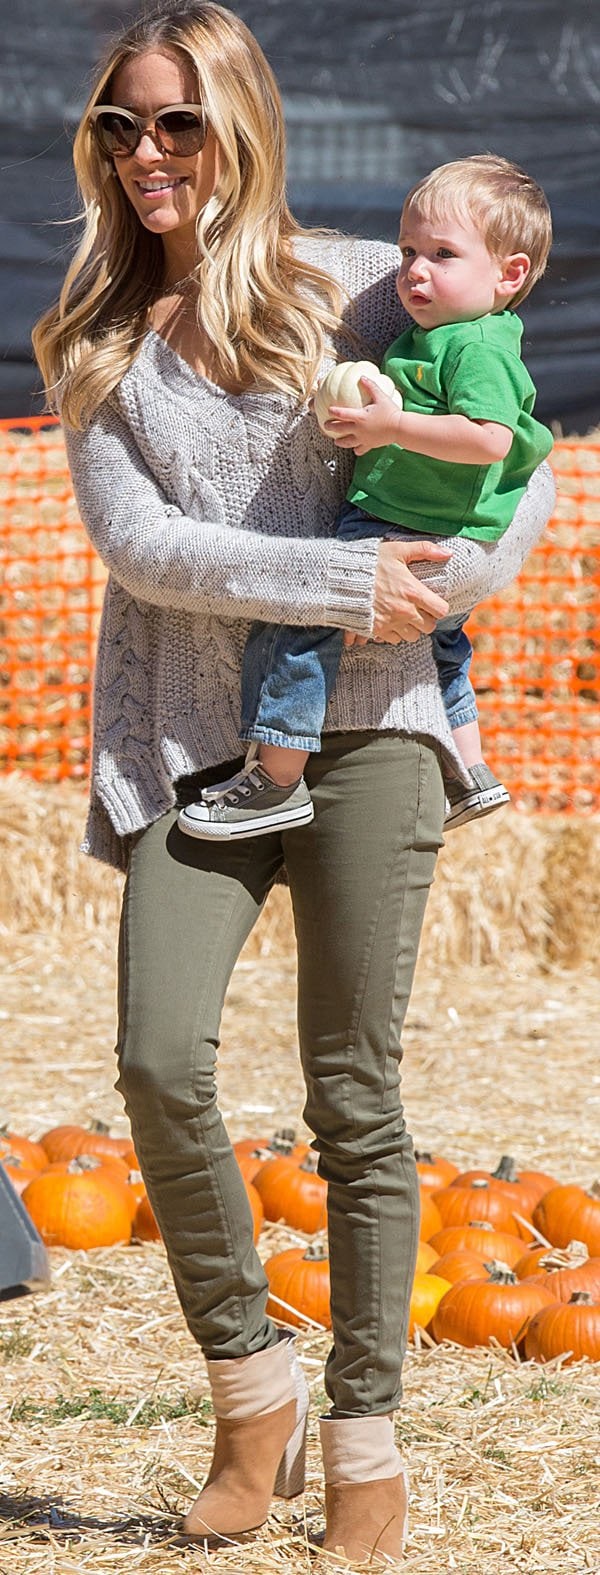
(211, 509)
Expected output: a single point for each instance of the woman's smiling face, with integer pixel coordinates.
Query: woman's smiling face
(166, 192)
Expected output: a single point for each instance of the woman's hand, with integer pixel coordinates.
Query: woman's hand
(404, 607)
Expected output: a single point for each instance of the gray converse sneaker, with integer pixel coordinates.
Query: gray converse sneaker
(485, 794)
(249, 805)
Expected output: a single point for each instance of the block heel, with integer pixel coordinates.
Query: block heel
(291, 1472)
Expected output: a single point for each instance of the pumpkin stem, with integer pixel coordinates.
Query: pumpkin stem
(100, 1128)
(83, 1162)
(506, 1170)
(499, 1273)
(423, 1156)
(594, 1190)
(480, 1184)
(283, 1140)
(480, 1225)
(316, 1251)
(581, 1299)
(309, 1163)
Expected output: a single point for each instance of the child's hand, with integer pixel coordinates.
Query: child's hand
(373, 426)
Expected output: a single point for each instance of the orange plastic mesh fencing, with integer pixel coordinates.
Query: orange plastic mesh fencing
(537, 659)
(51, 586)
(536, 668)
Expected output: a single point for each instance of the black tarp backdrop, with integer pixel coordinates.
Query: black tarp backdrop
(375, 94)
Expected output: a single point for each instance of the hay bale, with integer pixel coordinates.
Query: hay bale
(511, 886)
(46, 882)
(571, 887)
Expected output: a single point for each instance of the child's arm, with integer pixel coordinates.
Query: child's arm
(454, 438)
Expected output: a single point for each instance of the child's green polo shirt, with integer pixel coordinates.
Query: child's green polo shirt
(472, 369)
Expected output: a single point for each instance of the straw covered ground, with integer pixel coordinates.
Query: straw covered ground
(104, 1409)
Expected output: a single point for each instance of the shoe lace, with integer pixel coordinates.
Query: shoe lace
(241, 786)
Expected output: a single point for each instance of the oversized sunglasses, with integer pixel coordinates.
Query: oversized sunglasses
(178, 129)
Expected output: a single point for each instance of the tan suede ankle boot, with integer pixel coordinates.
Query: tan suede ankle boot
(261, 1408)
(366, 1490)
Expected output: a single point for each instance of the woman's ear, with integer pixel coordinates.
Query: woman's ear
(515, 270)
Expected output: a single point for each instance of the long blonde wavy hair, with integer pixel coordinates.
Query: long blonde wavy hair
(265, 310)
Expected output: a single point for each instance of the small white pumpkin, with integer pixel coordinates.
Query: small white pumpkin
(342, 386)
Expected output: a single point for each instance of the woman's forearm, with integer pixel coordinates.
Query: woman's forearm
(478, 569)
(170, 559)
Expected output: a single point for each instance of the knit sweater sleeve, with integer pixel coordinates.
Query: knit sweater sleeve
(168, 559)
(477, 569)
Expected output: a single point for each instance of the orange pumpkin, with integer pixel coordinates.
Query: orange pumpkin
(22, 1147)
(68, 1142)
(568, 1329)
(244, 1146)
(498, 1305)
(565, 1270)
(568, 1212)
(258, 1213)
(430, 1217)
(250, 1164)
(530, 1260)
(145, 1224)
(293, 1192)
(253, 1153)
(284, 1141)
(524, 1188)
(425, 1296)
(434, 1171)
(299, 1286)
(479, 1237)
(19, 1171)
(461, 1264)
(426, 1256)
(136, 1189)
(125, 1148)
(79, 1203)
(479, 1200)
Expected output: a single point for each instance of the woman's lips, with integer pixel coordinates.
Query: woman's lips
(159, 189)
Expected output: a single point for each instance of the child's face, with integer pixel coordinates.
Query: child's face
(447, 274)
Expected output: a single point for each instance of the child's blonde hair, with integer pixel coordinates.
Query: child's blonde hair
(506, 204)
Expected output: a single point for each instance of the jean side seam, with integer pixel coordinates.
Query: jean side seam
(357, 1031)
(200, 1120)
(275, 628)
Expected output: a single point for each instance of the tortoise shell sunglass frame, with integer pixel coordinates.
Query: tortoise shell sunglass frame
(177, 129)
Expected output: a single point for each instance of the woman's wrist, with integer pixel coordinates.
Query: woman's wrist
(351, 581)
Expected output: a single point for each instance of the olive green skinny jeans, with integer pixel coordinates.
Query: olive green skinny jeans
(359, 878)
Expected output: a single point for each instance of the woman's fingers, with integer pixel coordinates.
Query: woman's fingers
(422, 551)
(394, 633)
(404, 606)
(399, 592)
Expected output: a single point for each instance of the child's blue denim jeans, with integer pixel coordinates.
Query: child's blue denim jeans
(288, 673)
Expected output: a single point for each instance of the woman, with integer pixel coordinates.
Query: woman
(194, 322)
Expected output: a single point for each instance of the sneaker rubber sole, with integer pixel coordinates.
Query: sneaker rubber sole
(474, 805)
(260, 825)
